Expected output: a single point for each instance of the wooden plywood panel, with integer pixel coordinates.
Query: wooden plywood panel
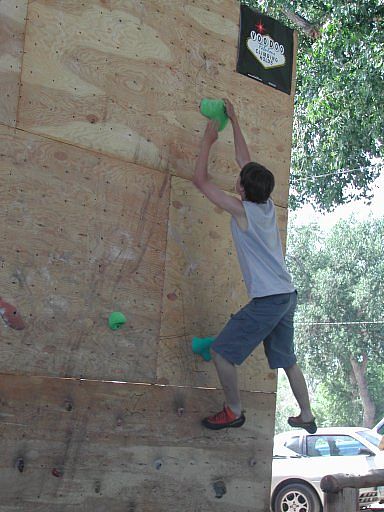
(124, 447)
(126, 79)
(203, 287)
(12, 25)
(83, 235)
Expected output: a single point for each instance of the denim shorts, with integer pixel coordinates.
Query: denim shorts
(268, 319)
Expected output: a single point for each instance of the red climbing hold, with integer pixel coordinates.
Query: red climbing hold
(11, 316)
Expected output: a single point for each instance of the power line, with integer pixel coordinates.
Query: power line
(376, 322)
(358, 169)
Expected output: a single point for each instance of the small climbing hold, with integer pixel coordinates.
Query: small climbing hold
(68, 406)
(119, 422)
(158, 464)
(11, 316)
(116, 320)
(180, 411)
(20, 464)
(252, 462)
(97, 487)
(215, 110)
(201, 346)
(177, 204)
(220, 488)
(92, 118)
(57, 473)
(132, 506)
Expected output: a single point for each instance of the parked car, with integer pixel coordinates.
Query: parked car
(379, 428)
(301, 460)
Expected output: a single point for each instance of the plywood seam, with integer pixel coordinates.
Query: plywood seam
(112, 155)
(165, 266)
(294, 69)
(164, 270)
(108, 155)
(8, 126)
(86, 149)
(117, 382)
(21, 66)
(281, 206)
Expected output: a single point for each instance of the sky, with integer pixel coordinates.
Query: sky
(362, 211)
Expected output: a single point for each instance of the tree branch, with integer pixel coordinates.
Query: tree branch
(308, 28)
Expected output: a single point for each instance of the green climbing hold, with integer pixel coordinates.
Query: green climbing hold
(116, 320)
(215, 110)
(201, 346)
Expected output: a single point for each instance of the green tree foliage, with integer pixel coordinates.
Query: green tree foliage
(340, 345)
(338, 123)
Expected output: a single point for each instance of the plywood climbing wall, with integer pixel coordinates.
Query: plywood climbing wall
(99, 131)
(104, 446)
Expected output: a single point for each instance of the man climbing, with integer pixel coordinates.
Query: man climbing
(269, 315)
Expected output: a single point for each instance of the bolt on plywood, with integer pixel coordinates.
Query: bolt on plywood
(80, 445)
(12, 26)
(83, 235)
(126, 79)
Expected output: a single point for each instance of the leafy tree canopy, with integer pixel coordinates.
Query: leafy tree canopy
(340, 317)
(338, 123)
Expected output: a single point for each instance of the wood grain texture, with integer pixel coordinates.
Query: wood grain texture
(203, 287)
(120, 447)
(12, 26)
(126, 79)
(83, 235)
(347, 499)
(108, 117)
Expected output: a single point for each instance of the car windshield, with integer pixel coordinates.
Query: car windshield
(371, 437)
(281, 452)
(379, 427)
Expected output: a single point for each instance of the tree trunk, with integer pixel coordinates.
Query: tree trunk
(308, 28)
(369, 408)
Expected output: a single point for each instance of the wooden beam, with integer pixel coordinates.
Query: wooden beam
(339, 481)
(343, 501)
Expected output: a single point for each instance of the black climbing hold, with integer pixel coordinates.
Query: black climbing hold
(20, 464)
(179, 403)
(158, 464)
(68, 406)
(219, 488)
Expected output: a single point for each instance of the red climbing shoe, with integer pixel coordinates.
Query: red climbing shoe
(224, 419)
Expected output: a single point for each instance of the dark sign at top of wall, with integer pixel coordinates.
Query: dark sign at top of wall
(265, 50)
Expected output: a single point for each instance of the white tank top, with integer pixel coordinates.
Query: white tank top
(260, 253)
